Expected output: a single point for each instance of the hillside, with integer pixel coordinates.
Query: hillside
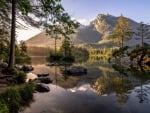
(42, 40)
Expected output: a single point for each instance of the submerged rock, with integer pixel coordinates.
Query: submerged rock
(76, 70)
(42, 88)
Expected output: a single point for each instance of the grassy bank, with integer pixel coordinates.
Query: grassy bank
(15, 98)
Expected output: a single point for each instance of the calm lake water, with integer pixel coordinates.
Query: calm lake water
(102, 90)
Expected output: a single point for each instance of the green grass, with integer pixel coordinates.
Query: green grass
(15, 98)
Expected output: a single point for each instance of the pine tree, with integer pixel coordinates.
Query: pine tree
(143, 32)
(122, 31)
(67, 49)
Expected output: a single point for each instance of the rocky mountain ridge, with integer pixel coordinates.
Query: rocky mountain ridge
(96, 33)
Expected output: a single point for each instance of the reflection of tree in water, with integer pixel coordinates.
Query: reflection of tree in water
(63, 70)
(102, 85)
(141, 75)
(113, 83)
(56, 79)
(98, 58)
(142, 91)
(121, 85)
(121, 82)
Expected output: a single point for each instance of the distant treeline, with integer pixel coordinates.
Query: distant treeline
(38, 51)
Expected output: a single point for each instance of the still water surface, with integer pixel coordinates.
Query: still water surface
(102, 90)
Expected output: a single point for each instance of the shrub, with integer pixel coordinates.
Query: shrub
(26, 93)
(23, 60)
(119, 51)
(12, 71)
(20, 77)
(15, 98)
(68, 59)
(12, 99)
(3, 108)
(4, 56)
(55, 58)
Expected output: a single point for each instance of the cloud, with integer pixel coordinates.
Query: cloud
(84, 21)
(26, 32)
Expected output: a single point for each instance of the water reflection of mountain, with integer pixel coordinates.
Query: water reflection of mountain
(37, 60)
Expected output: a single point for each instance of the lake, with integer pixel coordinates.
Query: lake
(104, 89)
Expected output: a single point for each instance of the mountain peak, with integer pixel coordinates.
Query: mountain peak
(104, 15)
(104, 24)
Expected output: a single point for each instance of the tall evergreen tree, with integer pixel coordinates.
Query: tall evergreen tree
(67, 49)
(23, 47)
(13, 32)
(122, 30)
(143, 32)
(4, 29)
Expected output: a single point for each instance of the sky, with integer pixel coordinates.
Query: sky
(86, 10)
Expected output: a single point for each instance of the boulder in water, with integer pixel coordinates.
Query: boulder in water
(76, 70)
(46, 80)
(42, 88)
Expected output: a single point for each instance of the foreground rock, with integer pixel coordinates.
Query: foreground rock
(31, 77)
(43, 78)
(42, 88)
(3, 65)
(27, 68)
(43, 75)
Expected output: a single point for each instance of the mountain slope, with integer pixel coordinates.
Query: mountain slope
(87, 34)
(42, 40)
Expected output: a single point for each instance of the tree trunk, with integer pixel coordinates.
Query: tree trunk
(142, 34)
(122, 40)
(141, 58)
(12, 42)
(55, 44)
